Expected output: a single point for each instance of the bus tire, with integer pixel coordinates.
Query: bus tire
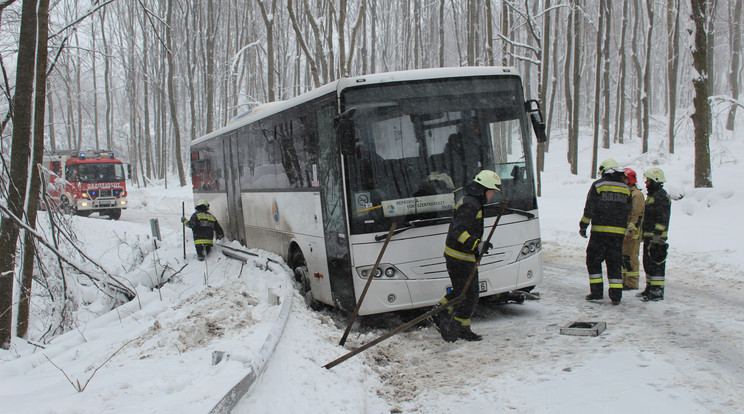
(302, 276)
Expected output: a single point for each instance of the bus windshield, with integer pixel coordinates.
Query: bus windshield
(418, 143)
(104, 172)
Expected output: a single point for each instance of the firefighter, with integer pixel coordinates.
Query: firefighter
(204, 226)
(462, 246)
(632, 242)
(607, 207)
(655, 226)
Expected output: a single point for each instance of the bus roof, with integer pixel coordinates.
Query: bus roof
(265, 110)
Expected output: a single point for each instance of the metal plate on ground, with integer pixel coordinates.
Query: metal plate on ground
(583, 328)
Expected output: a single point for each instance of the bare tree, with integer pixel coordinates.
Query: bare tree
(735, 62)
(672, 65)
(598, 85)
(620, 106)
(701, 117)
(19, 163)
(29, 249)
(270, 62)
(576, 91)
(172, 98)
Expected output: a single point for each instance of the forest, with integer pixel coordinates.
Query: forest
(143, 78)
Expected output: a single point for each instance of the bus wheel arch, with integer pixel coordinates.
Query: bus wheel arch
(302, 276)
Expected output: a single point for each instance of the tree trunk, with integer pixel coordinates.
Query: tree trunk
(620, 118)
(172, 98)
(567, 80)
(598, 88)
(210, 59)
(20, 154)
(635, 47)
(701, 116)
(646, 99)
(673, 65)
(575, 123)
(441, 33)
(107, 85)
(606, 75)
(735, 62)
(29, 248)
(270, 61)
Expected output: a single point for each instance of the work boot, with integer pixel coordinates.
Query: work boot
(644, 292)
(654, 294)
(448, 326)
(467, 334)
(594, 296)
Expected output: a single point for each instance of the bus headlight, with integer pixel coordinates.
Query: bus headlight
(529, 248)
(390, 271)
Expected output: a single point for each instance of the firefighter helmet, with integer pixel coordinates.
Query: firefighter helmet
(607, 165)
(657, 252)
(655, 175)
(202, 202)
(632, 177)
(488, 179)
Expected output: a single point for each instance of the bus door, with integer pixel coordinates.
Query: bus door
(235, 229)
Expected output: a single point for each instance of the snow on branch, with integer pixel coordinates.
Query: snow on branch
(726, 99)
(113, 283)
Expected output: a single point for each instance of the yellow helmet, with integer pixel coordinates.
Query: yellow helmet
(488, 179)
(202, 202)
(655, 174)
(606, 165)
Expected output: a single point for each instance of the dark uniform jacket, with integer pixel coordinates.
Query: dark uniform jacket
(657, 212)
(466, 229)
(607, 207)
(204, 225)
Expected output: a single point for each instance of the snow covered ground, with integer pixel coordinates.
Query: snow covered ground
(684, 354)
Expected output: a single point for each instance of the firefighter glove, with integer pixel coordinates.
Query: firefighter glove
(184, 220)
(484, 247)
(657, 240)
(582, 232)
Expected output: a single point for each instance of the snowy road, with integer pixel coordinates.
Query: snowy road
(683, 354)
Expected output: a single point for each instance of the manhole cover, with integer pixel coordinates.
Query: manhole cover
(583, 328)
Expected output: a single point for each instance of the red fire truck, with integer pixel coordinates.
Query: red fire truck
(83, 182)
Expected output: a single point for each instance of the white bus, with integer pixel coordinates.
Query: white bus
(320, 179)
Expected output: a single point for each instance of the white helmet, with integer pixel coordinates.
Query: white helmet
(488, 179)
(607, 165)
(202, 202)
(655, 174)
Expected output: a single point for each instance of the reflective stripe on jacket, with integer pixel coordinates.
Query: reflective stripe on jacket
(466, 229)
(607, 207)
(205, 226)
(657, 213)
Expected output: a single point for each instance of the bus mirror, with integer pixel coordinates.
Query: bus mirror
(538, 124)
(345, 130)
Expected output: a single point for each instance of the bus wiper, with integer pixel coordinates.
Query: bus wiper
(398, 230)
(415, 223)
(515, 211)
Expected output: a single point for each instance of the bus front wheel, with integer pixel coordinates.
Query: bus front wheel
(302, 277)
